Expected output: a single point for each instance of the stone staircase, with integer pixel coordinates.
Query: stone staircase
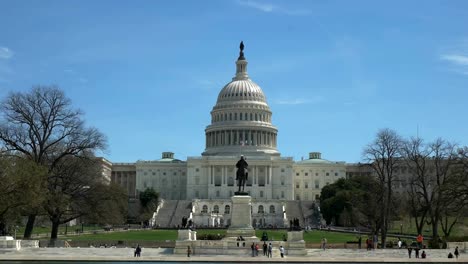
(165, 214)
(294, 210)
(307, 211)
(171, 213)
(183, 209)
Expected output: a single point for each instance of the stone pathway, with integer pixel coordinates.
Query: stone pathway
(161, 254)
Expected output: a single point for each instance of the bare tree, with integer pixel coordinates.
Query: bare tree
(42, 126)
(437, 180)
(383, 156)
(76, 189)
(416, 156)
(20, 184)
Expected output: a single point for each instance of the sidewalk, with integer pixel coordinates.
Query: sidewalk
(162, 254)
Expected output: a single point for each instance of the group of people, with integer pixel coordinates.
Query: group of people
(456, 253)
(186, 223)
(294, 224)
(267, 250)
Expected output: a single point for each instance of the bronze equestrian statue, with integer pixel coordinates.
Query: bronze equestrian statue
(241, 174)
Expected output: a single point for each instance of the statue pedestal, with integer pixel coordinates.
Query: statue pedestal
(241, 217)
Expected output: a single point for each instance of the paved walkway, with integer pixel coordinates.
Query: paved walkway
(158, 254)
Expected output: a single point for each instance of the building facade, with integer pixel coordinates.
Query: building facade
(241, 124)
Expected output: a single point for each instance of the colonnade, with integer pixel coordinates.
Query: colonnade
(240, 137)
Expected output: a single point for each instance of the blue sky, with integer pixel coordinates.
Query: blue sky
(147, 73)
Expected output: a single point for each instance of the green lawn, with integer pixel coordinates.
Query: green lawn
(143, 235)
(409, 227)
(47, 229)
(163, 235)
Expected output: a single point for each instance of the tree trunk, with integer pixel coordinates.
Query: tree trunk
(29, 226)
(55, 228)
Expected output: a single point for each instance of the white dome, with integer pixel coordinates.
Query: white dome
(241, 119)
(238, 90)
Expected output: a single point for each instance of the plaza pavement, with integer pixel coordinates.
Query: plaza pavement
(162, 254)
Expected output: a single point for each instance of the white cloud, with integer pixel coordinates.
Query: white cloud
(5, 53)
(270, 8)
(456, 59)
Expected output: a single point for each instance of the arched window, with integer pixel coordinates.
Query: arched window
(245, 116)
(272, 209)
(235, 116)
(250, 117)
(216, 209)
(240, 116)
(204, 209)
(260, 209)
(230, 116)
(227, 209)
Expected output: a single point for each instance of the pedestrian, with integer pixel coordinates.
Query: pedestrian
(376, 241)
(409, 252)
(270, 250)
(423, 254)
(256, 250)
(456, 252)
(416, 252)
(281, 251)
(252, 247)
(189, 251)
(420, 240)
(450, 255)
(359, 242)
(324, 243)
(399, 243)
(137, 251)
(265, 249)
(368, 244)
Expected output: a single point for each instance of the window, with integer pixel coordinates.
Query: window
(328, 174)
(261, 194)
(282, 170)
(306, 185)
(216, 209)
(282, 194)
(297, 173)
(217, 193)
(336, 173)
(197, 169)
(317, 185)
(306, 174)
(240, 116)
(260, 209)
(317, 197)
(227, 209)
(231, 181)
(204, 209)
(297, 185)
(316, 174)
(197, 194)
(272, 209)
(297, 197)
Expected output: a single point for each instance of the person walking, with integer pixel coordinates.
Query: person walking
(252, 247)
(270, 250)
(265, 249)
(189, 251)
(409, 252)
(281, 249)
(256, 250)
(420, 240)
(324, 243)
(456, 252)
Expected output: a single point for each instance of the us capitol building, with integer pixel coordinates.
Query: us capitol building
(201, 187)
